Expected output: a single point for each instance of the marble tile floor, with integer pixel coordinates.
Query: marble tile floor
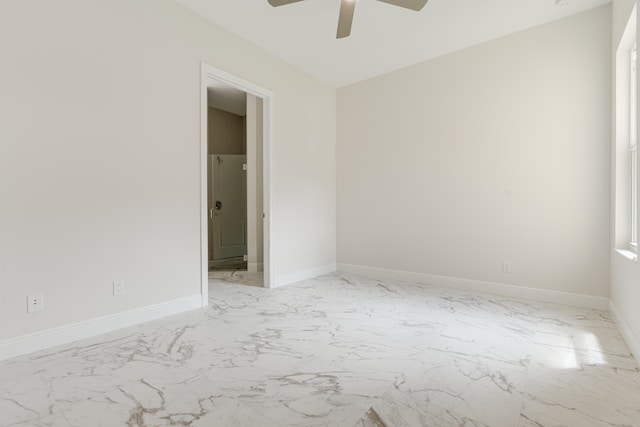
(338, 350)
(241, 277)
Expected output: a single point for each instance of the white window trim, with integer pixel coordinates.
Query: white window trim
(633, 144)
(626, 130)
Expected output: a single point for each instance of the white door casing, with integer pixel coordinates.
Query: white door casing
(209, 74)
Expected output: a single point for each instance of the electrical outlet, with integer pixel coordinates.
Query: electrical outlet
(35, 303)
(118, 287)
(506, 266)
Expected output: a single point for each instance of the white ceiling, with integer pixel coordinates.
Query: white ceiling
(384, 37)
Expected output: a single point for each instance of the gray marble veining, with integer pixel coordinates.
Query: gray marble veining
(338, 350)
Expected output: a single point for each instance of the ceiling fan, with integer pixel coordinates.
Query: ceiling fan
(347, 7)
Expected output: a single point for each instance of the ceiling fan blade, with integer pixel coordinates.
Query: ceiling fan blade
(347, 7)
(276, 3)
(416, 5)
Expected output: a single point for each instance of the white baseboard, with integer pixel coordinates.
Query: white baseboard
(630, 337)
(25, 344)
(534, 294)
(304, 275)
(255, 267)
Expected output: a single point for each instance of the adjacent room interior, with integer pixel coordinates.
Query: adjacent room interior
(319, 212)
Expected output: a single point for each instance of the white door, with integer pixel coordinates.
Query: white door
(228, 206)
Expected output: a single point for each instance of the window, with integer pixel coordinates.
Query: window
(626, 144)
(633, 149)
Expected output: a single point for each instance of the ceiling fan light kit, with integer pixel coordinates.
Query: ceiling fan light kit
(347, 9)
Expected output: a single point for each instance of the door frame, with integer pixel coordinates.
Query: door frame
(209, 73)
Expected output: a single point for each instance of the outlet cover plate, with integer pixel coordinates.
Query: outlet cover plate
(35, 303)
(118, 287)
(506, 266)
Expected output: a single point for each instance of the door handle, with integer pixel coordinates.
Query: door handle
(217, 205)
(213, 213)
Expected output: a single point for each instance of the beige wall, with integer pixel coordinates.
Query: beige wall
(255, 194)
(100, 156)
(227, 132)
(495, 153)
(625, 274)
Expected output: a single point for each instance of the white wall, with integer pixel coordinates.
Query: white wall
(99, 156)
(625, 274)
(497, 152)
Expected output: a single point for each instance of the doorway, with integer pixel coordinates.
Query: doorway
(236, 204)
